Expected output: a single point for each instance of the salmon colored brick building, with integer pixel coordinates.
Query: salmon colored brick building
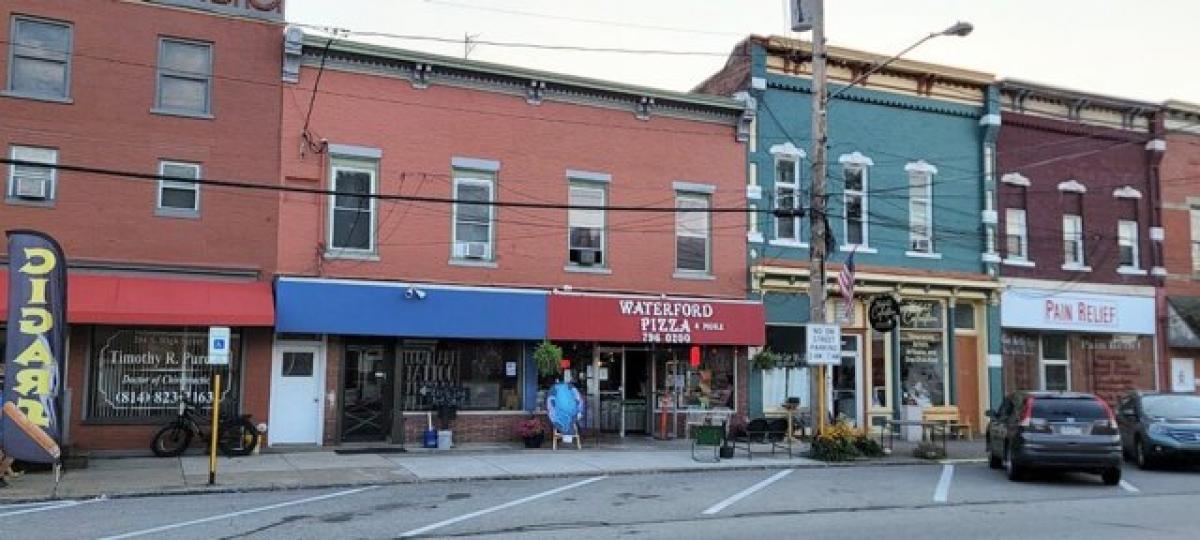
(1180, 298)
(182, 88)
(420, 291)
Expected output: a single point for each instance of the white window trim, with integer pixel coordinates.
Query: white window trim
(1072, 186)
(1024, 255)
(1081, 249)
(1134, 268)
(851, 161)
(691, 273)
(1194, 241)
(344, 252)
(10, 193)
(1015, 179)
(488, 261)
(795, 185)
(10, 90)
(927, 172)
(1019, 262)
(1043, 362)
(1076, 267)
(788, 150)
(588, 184)
(1127, 192)
(159, 209)
(160, 72)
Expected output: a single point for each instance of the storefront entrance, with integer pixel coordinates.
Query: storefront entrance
(618, 383)
(366, 393)
(297, 385)
(844, 383)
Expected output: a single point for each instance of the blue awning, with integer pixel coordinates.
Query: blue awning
(380, 308)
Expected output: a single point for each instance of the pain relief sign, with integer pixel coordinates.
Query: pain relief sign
(1056, 310)
(37, 296)
(648, 319)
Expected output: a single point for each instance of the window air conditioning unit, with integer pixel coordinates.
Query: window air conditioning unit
(587, 257)
(471, 250)
(31, 188)
(921, 246)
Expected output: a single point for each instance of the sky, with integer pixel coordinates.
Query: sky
(1137, 50)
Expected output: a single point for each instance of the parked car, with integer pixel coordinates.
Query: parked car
(1160, 427)
(1054, 430)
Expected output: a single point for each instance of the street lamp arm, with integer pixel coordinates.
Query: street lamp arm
(959, 29)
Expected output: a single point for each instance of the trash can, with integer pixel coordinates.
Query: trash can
(445, 439)
(430, 439)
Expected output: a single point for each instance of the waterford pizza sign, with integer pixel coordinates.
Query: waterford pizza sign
(642, 319)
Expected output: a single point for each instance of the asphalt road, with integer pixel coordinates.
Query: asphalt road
(964, 500)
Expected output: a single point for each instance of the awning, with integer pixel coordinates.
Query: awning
(109, 299)
(1183, 322)
(383, 308)
(616, 318)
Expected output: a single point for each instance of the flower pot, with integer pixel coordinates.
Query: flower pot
(535, 441)
(727, 452)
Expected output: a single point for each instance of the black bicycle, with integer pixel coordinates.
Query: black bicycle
(237, 434)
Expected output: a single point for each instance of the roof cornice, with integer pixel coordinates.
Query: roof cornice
(902, 66)
(1066, 94)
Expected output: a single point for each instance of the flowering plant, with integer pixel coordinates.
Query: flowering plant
(530, 427)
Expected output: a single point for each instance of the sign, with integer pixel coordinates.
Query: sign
(218, 345)
(921, 315)
(267, 10)
(510, 369)
(824, 344)
(801, 14)
(1077, 312)
(883, 312)
(1183, 375)
(36, 339)
(651, 319)
(921, 347)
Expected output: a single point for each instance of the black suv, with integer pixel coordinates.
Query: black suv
(1160, 427)
(1054, 430)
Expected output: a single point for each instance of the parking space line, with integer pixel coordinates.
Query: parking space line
(1125, 485)
(943, 487)
(240, 513)
(746, 492)
(29, 508)
(509, 504)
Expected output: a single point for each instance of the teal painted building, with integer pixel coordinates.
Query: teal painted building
(911, 193)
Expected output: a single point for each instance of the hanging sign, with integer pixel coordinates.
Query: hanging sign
(37, 301)
(824, 344)
(883, 312)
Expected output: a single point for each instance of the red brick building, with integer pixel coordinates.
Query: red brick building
(1081, 240)
(399, 300)
(1180, 298)
(190, 89)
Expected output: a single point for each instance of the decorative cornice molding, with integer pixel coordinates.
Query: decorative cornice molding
(1016, 179)
(787, 150)
(856, 158)
(1073, 186)
(874, 97)
(1127, 192)
(920, 166)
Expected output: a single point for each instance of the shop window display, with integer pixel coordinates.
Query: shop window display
(475, 375)
(922, 353)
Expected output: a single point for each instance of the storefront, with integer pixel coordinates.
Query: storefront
(372, 362)
(1183, 340)
(1078, 341)
(650, 364)
(138, 345)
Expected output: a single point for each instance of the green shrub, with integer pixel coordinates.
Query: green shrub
(868, 446)
(929, 450)
(836, 443)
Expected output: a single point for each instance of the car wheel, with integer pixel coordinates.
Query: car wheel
(1014, 471)
(1141, 456)
(1111, 477)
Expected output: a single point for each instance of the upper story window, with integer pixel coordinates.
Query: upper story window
(1195, 214)
(692, 229)
(184, 77)
(30, 183)
(39, 59)
(1016, 235)
(788, 197)
(586, 226)
(473, 237)
(1127, 244)
(1073, 240)
(920, 206)
(855, 180)
(352, 208)
(178, 198)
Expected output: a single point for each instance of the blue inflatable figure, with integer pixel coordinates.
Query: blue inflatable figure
(565, 407)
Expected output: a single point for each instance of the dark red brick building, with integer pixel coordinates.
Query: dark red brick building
(1180, 297)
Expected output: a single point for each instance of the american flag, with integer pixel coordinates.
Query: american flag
(846, 282)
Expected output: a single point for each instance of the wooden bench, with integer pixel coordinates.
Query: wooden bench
(949, 417)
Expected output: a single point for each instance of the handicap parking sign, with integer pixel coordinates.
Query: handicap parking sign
(218, 345)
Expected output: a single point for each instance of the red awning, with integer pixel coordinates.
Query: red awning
(105, 299)
(655, 319)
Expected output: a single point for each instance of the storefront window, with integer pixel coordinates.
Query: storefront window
(474, 375)
(139, 375)
(1056, 363)
(964, 316)
(711, 384)
(922, 358)
(880, 393)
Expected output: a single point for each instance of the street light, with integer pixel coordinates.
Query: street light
(959, 29)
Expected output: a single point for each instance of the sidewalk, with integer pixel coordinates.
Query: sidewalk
(114, 477)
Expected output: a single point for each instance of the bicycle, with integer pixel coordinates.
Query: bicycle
(237, 434)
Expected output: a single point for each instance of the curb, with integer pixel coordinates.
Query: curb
(217, 490)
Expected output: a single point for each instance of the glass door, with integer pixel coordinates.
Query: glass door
(365, 393)
(844, 382)
(606, 378)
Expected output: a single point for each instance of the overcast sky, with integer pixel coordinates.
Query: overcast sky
(1142, 50)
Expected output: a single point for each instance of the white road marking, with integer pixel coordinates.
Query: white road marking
(509, 504)
(31, 507)
(747, 492)
(239, 513)
(1125, 485)
(943, 488)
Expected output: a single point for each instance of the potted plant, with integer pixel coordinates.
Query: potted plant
(765, 359)
(547, 356)
(532, 432)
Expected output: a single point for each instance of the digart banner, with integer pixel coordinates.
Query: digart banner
(37, 302)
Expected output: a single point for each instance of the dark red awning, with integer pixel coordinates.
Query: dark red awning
(106, 299)
(654, 319)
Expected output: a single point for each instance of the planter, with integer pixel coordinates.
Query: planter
(535, 441)
(727, 452)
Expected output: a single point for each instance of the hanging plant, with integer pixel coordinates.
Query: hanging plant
(547, 357)
(765, 359)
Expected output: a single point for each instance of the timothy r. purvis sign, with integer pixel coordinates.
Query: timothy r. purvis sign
(267, 10)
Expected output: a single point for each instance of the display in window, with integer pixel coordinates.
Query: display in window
(468, 375)
(922, 368)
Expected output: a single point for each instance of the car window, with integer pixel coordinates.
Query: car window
(1060, 409)
(1172, 406)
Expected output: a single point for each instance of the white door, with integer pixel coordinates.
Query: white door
(296, 395)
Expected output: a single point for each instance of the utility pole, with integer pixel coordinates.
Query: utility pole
(816, 214)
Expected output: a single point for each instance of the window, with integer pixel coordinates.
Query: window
(473, 222)
(787, 199)
(1072, 240)
(920, 211)
(175, 197)
(473, 375)
(352, 210)
(297, 364)
(1016, 234)
(964, 316)
(923, 366)
(1127, 243)
(184, 77)
(586, 227)
(855, 199)
(1055, 363)
(30, 182)
(39, 60)
(778, 384)
(1195, 212)
(691, 233)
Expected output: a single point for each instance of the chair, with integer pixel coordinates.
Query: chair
(754, 433)
(558, 436)
(709, 436)
(950, 419)
(778, 436)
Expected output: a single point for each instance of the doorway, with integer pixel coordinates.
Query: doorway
(297, 388)
(618, 384)
(366, 393)
(844, 382)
